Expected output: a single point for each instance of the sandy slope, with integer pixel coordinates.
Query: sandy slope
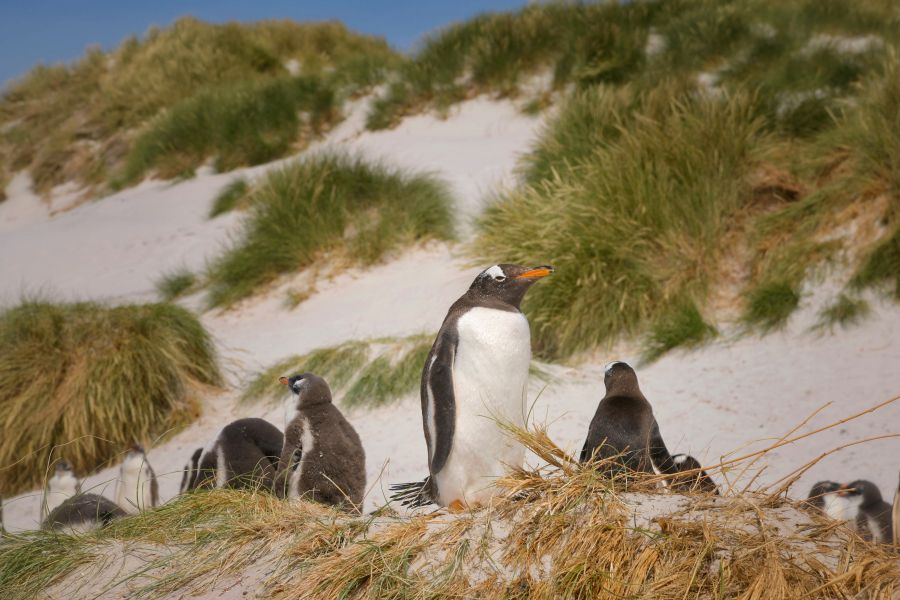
(708, 402)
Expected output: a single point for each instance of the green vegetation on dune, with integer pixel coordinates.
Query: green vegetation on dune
(328, 203)
(231, 196)
(369, 373)
(85, 381)
(175, 283)
(79, 122)
(633, 222)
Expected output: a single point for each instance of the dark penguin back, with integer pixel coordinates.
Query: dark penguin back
(250, 448)
(83, 508)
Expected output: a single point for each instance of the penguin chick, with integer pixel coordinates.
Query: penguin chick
(624, 429)
(691, 475)
(474, 381)
(827, 497)
(873, 521)
(137, 488)
(190, 472)
(83, 512)
(244, 455)
(322, 459)
(60, 487)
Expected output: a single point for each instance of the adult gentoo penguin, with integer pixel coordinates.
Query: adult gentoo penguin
(873, 521)
(323, 458)
(243, 455)
(624, 428)
(137, 488)
(475, 378)
(60, 487)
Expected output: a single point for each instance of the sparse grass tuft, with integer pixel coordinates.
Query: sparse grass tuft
(231, 196)
(329, 203)
(844, 311)
(882, 267)
(175, 283)
(681, 327)
(770, 304)
(369, 373)
(84, 381)
(32, 562)
(632, 217)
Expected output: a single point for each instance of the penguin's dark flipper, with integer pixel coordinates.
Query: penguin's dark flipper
(413, 495)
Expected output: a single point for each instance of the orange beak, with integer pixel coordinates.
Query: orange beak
(536, 272)
(283, 380)
(843, 490)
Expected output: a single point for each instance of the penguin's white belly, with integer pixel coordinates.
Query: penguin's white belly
(838, 507)
(490, 374)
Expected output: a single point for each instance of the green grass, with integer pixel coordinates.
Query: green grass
(844, 311)
(328, 203)
(635, 221)
(682, 327)
(31, 562)
(231, 196)
(78, 121)
(770, 304)
(777, 48)
(84, 381)
(371, 373)
(175, 283)
(882, 267)
(237, 125)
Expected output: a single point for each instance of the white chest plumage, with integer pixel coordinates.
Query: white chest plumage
(838, 507)
(134, 493)
(490, 375)
(307, 442)
(60, 488)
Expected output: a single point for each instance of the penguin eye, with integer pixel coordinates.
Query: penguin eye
(499, 277)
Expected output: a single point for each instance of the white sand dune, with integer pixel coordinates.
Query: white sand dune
(711, 401)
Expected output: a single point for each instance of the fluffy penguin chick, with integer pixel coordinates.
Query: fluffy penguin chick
(243, 455)
(322, 459)
(83, 512)
(696, 477)
(474, 379)
(873, 521)
(624, 428)
(137, 488)
(60, 487)
(827, 497)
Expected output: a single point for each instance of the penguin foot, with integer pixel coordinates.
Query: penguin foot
(456, 507)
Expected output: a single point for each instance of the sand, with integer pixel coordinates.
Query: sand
(732, 393)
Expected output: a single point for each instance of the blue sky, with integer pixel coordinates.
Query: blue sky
(54, 31)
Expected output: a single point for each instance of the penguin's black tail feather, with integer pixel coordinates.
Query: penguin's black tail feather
(412, 495)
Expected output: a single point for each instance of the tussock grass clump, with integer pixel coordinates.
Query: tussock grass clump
(324, 204)
(85, 381)
(632, 224)
(174, 284)
(770, 304)
(369, 373)
(682, 327)
(230, 197)
(237, 125)
(78, 122)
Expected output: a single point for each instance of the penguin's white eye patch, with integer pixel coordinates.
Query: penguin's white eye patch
(496, 273)
(298, 385)
(609, 366)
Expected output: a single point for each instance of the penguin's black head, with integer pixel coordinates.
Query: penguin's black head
(824, 487)
(621, 377)
(867, 491)
(309, 388)
(135, 449)
(508, 283)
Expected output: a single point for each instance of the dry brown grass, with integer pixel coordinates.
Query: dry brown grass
(562, 530)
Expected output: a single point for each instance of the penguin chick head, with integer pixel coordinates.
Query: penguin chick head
(63, 467)
(863, 492)
(824, 487)
(309, 388)
(508, 283)
(620, 378)
(135, 450)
